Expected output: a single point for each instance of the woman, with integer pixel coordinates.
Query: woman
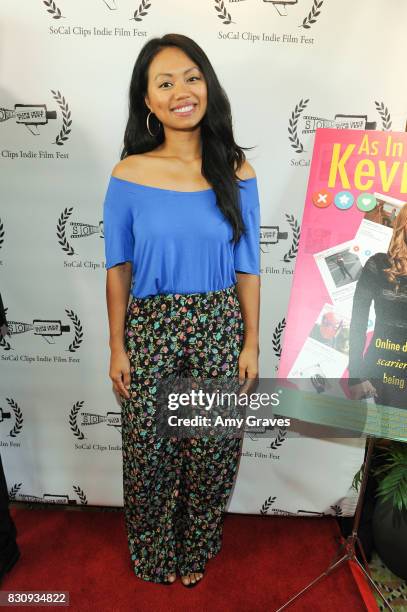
(341, 265)
(382, 372)
(181, 223)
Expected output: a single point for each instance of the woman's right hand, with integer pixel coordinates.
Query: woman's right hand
(119, 372)
(362, 390)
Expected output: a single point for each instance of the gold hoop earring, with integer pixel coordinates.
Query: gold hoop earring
(148, 126)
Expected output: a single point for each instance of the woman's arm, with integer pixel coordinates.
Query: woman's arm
(118, 283)
(119, 251)
(248, 283)
(248, 291)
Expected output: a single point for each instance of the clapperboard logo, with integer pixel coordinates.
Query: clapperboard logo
(281, 6)
(276, 236)
(48, 330)
(305, 12)
(30, 116)
(60, 499)
(38, 119)
(137, 11)
(81, 420)
(302, 124)
(70, 232)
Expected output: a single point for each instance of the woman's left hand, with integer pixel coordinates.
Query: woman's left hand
(248, 367)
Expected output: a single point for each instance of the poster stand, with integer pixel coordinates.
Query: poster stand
(347, 550)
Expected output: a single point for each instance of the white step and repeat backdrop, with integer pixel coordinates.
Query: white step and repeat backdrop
(288, 68)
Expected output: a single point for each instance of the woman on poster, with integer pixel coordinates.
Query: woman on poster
(182, 233)
(382, 372)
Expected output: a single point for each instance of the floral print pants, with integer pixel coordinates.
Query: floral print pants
(176, 489)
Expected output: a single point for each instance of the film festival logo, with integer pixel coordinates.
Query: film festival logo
(266, 508)
(48, 498)
(6, 421)
(307, 124)
(277, 337)
(262, 429)
(49, 330)
(78, 230)
(282, 9)
(257, 432)
(1, 238)
(34, 116)
(139, 13)
(87, 419)
(271, 235)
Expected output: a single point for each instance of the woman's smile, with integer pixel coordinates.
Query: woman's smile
(185, 110)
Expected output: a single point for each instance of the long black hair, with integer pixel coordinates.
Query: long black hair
(221, 156)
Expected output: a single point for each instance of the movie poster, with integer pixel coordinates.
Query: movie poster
(347, 317)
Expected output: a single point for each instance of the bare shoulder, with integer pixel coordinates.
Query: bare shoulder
(131, 168)
(246, 171)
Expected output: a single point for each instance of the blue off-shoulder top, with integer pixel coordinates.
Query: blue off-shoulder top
(178, 241)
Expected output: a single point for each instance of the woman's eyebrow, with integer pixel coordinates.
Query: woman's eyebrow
(170, 74)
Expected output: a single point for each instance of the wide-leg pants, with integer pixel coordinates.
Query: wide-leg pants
(176, 490)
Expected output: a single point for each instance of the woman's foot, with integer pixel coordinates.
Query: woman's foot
(171, 578)
(192, 578)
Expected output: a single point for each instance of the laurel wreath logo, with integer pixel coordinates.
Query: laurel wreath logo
(73, 415)
(307, 23)
(14, 490)
(293, 124)
(313, 15)
(295, 115)
(3, 342)
(279, 439)
(67, 121)
(61, 225)
(293, 223)
(222, 12)
(276, 339)
(384, 115)
(337, 510)
(78, 331)
(267, 504)
(81, 495)
(19, 418)
(142, 11)
(53, 9)
(1, 233)
(139, 14)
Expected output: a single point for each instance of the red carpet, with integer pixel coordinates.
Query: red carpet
(263, 561)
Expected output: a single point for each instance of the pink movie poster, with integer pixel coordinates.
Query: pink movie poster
(347, 316)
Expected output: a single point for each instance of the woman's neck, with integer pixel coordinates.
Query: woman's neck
(183, 145)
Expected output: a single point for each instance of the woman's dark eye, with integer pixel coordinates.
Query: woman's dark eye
(195, 77)
(165, 83)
